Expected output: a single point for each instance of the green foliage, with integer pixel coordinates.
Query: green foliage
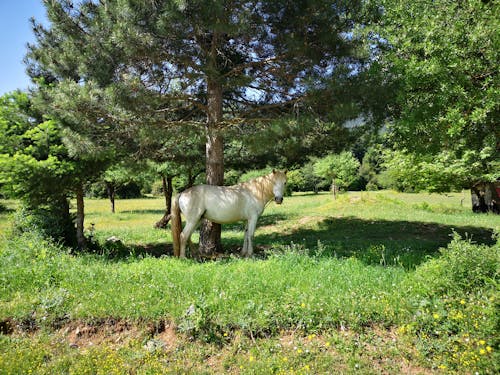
(434, 173)
(49, 221)
(247, 176)
(456, 313)
(304, 179)
(442, 57)
(462, 266)
(371, 167)
(341, 168)
(34, 164)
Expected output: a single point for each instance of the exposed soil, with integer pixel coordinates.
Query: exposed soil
(163, 335)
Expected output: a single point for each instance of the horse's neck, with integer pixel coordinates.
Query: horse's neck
(261, 188)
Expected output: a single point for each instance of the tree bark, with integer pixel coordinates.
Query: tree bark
(210, 233)
(80, 217)
(168, 192)
(110, 189)
(334, 189)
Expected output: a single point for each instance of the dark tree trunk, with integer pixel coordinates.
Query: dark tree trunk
(80, 217)
(485, 197)
(168, 192)
(67, 221)
(110, 189)
(210, 233)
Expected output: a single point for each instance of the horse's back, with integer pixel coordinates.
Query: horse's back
(220, 204)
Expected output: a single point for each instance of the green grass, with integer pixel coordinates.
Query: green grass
(376, 227)
(358, 284)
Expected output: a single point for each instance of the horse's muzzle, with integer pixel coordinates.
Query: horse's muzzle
(278, 200)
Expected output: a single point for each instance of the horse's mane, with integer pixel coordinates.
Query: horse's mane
(261, 186)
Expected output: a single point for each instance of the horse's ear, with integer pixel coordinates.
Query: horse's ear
(285, 171)
(274, 171)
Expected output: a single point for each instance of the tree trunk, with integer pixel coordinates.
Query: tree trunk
(80, 217)
(168, 192)
(67, 221)
(485, 197)
(334, 189)
(110, 189)
(210, 233)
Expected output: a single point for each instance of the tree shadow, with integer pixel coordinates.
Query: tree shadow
(383, 242)
(271, 219)
(375, 242)
(159, 212)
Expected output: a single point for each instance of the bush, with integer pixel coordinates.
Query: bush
(371, 186)
(456, 318)
(157, 188)
(50, 222)
(463, 267)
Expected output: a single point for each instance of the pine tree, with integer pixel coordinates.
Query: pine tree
(213, 64)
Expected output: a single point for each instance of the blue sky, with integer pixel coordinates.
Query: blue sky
(15, 33)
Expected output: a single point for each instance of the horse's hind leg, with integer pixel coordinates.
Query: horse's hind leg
(186, 236)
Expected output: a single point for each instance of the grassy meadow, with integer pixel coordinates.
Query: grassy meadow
(371, 283)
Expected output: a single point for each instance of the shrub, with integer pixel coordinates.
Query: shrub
(157, 188)
(456, 317)
(52, 222)
(463, 267)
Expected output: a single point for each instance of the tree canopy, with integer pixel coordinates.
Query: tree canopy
(442, 59)
(123, 69)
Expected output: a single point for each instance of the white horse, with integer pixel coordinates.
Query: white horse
(223, 205)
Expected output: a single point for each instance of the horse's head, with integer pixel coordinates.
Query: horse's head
(279, 182)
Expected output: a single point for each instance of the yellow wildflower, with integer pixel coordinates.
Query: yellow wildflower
(489, 349)
(435, 316)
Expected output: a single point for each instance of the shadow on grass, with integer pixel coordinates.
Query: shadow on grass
(271, 219)
(379, 242)
(375, 241)
(155, 211)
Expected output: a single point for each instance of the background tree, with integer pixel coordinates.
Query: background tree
(37, 167)
(442, 59)
(341, 169)
(371, 166)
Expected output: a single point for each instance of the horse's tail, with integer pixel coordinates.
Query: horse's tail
(176, 226)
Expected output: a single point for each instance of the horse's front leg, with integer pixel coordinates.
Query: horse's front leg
(244, 250)
(252, 224)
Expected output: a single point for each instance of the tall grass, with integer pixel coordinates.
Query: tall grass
(288, 290)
